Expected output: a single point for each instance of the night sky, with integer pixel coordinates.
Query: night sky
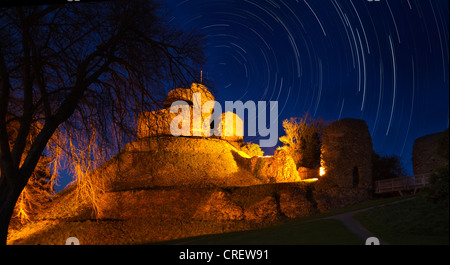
(386, 62)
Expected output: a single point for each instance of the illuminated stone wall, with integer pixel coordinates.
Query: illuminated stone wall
(186, 94)
(233, 129)
(157, 123)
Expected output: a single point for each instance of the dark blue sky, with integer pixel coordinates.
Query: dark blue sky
(386, 62)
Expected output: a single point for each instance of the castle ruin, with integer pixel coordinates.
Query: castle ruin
(346, 160)
(162, 187)
(157, 123)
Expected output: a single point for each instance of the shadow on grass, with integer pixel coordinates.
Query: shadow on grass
(320, 232)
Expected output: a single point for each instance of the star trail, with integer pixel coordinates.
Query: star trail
(386, 62)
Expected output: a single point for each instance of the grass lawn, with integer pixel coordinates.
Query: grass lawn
(412, 222)
(311, 230)
(319, 232)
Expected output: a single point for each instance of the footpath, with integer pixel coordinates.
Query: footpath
(355, 227)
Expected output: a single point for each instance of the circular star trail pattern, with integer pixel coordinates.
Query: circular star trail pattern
(386, 62)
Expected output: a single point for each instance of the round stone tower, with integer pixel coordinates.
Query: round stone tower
(347, 154)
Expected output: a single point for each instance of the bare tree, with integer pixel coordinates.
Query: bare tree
(303, 140)
(76, 67)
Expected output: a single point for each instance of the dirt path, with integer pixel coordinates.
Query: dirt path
(355, 227)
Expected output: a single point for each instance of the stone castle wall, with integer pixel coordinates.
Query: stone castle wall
(347, 154)
(155, 123)
(426, 157)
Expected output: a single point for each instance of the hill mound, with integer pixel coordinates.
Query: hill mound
(161, 188)
(164, 213)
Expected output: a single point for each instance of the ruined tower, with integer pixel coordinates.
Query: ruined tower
(157, 123)
(347, 154)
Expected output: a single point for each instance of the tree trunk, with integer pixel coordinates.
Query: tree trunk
(8, 199)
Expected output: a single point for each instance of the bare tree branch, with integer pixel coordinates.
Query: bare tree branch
(6, 167)
(75, 68)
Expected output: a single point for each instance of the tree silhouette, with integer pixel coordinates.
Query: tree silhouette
(75, 67)
(387, 167)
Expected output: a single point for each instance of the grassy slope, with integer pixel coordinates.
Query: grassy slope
(319, 232)
(311, 230)
(412, 222)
